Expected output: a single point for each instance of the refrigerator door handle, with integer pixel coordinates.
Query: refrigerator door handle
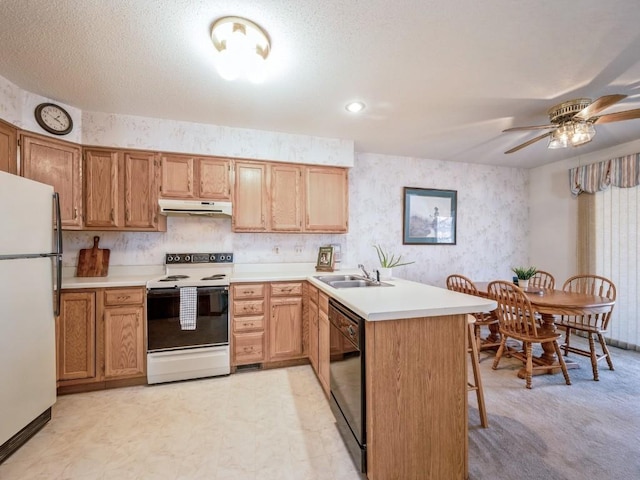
(58, 254)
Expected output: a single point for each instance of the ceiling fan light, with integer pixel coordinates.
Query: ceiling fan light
(559, 138)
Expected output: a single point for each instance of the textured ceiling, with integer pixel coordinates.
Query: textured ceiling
(441, 78)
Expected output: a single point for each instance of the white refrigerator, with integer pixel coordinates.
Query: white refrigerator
(30, 269)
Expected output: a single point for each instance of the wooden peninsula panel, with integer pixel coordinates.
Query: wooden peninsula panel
(416, 398)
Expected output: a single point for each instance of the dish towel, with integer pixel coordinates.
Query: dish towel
(188, 307)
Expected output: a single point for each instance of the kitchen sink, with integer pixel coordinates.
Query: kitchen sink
(350, 281)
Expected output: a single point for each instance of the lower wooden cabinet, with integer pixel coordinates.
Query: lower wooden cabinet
(324, 342)
(312, 312)
(76, 337)
(101, 338)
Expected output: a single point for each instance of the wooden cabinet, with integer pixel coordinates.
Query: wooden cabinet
(121, 191)
(280, 197)
(248, 323)
(250, 197)
(324, 332)
(102, 189)
(124, 333)
(190, 177)
(76, 337)
(8, 143)
(286, 195)
(327, 199)
(312, 315)
(101, 338)
(56, 163)
(286, 322)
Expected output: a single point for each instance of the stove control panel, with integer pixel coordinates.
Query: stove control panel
(182, 258)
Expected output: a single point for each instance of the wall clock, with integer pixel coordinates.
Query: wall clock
(53, 118)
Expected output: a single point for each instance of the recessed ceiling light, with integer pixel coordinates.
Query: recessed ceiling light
(354, 107)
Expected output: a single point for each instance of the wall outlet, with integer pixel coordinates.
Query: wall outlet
(298, 249)
(276, 250)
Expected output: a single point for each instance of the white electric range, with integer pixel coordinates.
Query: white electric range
(188, 318)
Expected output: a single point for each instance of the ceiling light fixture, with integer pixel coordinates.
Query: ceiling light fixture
(355, 107)
(572, 134)
(243, 48)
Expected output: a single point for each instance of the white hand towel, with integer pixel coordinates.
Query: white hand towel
(188, 307)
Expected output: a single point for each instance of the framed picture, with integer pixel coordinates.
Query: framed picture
(326, 260)
(429, 216)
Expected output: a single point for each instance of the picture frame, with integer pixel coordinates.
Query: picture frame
(326, 259)
(429, 216)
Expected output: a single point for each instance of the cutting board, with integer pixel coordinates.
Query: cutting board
(93, 262)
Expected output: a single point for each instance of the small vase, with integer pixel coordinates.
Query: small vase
(522, 283)
(385, 273)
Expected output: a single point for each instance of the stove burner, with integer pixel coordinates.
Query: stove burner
(172, 278)
(217, 276)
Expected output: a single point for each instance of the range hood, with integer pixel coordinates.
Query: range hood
(194, 207)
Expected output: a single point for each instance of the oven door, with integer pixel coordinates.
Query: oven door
(164, 331)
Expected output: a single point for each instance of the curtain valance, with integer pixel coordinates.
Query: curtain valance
(623, 172)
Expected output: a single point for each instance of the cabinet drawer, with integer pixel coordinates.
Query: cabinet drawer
(248, 307)
(248, 347)
(248, 290)
(243, 324)
(286, 289)
(124, 296)
(323, 302)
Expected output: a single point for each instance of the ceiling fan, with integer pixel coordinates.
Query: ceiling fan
(572, 122)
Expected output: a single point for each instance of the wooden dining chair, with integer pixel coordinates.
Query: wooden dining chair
(476, 385)
(593, 324)
(462, 284)
(543, 279)
(517, 321)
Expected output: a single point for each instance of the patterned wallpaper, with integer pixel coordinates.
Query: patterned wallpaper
(492, 230)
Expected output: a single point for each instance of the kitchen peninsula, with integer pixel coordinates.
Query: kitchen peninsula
(416, 393)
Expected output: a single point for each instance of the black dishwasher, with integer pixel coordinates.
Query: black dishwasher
(347, 380)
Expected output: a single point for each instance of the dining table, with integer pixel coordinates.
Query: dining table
(550, 303)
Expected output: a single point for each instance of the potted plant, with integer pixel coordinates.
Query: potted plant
(524, 274)
(387, 262)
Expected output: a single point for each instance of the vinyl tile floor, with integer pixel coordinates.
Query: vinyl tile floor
(263, 425)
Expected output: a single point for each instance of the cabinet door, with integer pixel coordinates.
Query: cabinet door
(76, 350)
(313, 336)
(286, 198)
(250, 197)
(140, 191)
(178, 176)
(102, 188)
(8, 141)
(214, 178)
(58, 164)
(124, 350)
(323, 350)
(327, 199)
(285, 328)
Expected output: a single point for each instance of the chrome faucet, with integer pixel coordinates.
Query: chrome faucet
(367, 275)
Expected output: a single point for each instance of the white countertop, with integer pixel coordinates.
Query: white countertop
(404, 299)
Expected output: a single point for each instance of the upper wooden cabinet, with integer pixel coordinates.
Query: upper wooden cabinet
(286, 194)
(327, 199)
(121, 190)
(189, 177)
(56, 163)
(250, 197)
(276, 197)
(8, 142)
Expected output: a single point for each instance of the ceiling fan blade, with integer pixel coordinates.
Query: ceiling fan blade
(529, 142)
(532, 127)
(597, 106)
(618, 116)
